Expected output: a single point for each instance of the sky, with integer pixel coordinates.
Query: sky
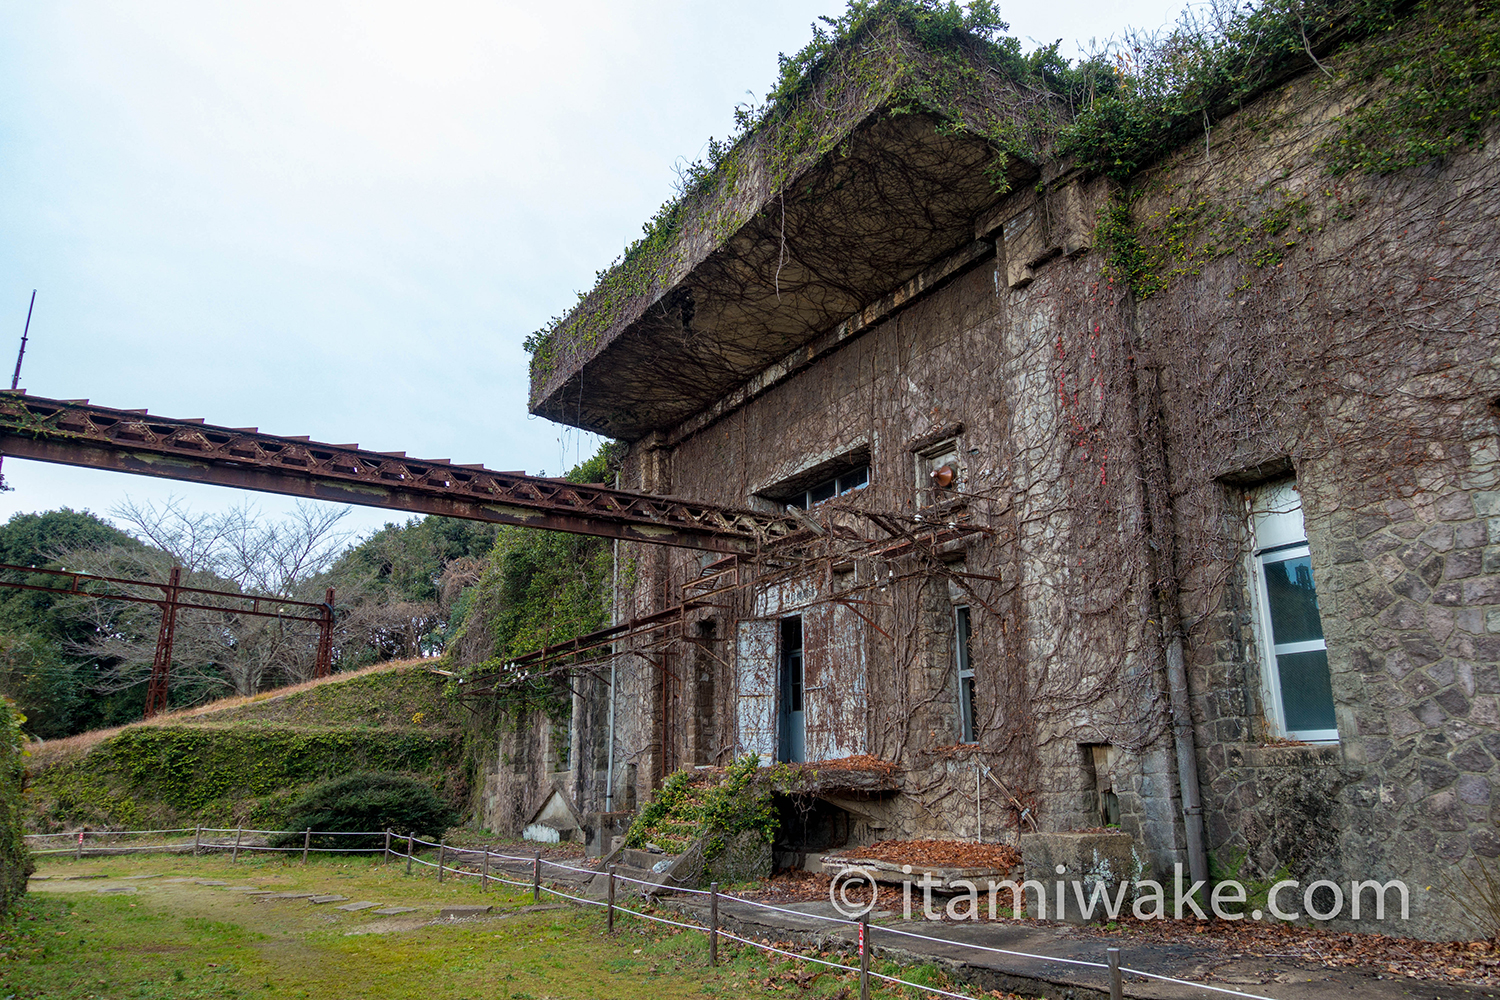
(343, 219)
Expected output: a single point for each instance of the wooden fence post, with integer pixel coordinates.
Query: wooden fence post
(408, 853)
(197, 839)
(713, 923)
(864, 956)
(1116, 987)
(611, 911)
(306, 843)
(238, 834)
(385, 857)
(536, 878)
(442, 854)
(484, 870)
(78, 849)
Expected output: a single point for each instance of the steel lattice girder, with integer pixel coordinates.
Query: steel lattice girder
(74, 432)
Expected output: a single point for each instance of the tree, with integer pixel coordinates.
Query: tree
(237, 551)
(39, 666)
(400, 586)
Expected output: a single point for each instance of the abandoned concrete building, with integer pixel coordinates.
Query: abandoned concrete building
(1196, 543)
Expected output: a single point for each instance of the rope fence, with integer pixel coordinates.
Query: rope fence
(391, 851)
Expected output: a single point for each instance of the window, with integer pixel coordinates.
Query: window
(1299, 695)
(837, 486)
(967, 733)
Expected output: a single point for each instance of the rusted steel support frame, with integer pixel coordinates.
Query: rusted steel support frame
(324, 663)
(541, 658)
(161, 664)
(74, 432)
(78, 579)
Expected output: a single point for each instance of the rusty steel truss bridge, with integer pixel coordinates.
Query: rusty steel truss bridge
(76, 432)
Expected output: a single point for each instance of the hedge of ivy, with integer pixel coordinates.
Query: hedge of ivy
(151, 776)
(15, 860)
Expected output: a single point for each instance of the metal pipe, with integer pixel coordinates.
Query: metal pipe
(15, 380)
(1187, 761)
(614, 614)
(1161, 556)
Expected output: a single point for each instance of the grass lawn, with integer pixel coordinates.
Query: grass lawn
(164, 939)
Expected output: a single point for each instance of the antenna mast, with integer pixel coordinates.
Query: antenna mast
(15, 380)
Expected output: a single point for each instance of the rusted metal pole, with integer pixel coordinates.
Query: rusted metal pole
(306, 843)
(536, 878)
(442, 856)
(713, 923)
(15, 380)
(610, 921)
(161, 665)
(1116, 986)
(325, 638)
(864, 956)
(409, 846)
(239, 832)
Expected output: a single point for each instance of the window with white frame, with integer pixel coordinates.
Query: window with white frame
(967, 732)
(1299, 695)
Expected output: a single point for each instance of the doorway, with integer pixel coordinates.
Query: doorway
(791, 742)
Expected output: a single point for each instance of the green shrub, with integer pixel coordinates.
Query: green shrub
(717, 805)
(368, 801)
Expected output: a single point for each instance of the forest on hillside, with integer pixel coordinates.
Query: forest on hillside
(424, 587)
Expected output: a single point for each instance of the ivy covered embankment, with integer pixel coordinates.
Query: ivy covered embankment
(15, 860)
(247, 763)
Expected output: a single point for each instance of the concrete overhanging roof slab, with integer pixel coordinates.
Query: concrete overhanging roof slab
(758, 267)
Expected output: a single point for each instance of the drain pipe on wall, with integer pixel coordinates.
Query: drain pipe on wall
(614, 619)
(1161, 544)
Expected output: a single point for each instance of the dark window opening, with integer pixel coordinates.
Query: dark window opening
(837, 486)
(968, 732)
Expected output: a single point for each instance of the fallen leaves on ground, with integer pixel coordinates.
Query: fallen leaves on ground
(938, 854)
(1474, 962)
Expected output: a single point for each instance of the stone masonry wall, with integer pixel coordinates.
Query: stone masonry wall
(1341, 330)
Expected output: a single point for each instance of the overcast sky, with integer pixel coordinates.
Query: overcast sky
(342, 219)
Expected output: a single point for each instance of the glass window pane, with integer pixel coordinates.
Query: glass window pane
(794, 681)
(821, 492)
(968, 710)
(1293, 600)
(1306, 694)
(854, 480)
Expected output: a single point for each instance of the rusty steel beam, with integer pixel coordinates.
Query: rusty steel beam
(75, 432)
